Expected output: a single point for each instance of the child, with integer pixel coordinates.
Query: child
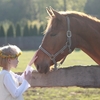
(9, 81)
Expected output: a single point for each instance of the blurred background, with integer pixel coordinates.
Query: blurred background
(22, 22)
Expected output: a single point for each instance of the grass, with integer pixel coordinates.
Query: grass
(75, 58)
(60, 93)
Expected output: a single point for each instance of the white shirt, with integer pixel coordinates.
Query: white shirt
(9, 83)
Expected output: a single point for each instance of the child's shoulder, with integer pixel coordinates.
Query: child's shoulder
(3, 73)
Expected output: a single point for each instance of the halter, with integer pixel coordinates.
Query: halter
(67, 45)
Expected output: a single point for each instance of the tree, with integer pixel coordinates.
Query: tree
(31, 30)
(92, 7)
(10, 31)
(18, 30)
(41, 29)
(16, 10)
(2, 32)
(26, 31)
(35, 30)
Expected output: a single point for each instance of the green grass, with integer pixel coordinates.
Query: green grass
(63, 93)
(24, 59)
(75, 58)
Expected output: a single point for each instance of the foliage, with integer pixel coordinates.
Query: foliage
(13, 10)
(2, 32)
(18, 30)
(35, 30)
(77, 5)
(26, 30)
(16, 10)
(31, 30)
(10, 31)
(92, 7)
(41, 30)
(33, 13)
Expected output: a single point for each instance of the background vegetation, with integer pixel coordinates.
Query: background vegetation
(23, 18)
(28, 17)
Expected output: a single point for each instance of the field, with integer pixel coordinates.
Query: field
(63, 93)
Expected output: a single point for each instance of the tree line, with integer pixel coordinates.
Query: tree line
(20, 12)
(17, 31)
(16, 10)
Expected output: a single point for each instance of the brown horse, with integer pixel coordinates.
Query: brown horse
(65, 32)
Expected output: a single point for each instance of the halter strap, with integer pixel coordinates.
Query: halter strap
(67, 44)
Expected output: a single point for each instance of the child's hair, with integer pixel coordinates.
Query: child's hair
(9, 51)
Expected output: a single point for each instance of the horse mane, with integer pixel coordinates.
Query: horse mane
(76, 14)
(79, 15)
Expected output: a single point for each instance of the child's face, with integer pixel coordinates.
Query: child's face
(14, 62)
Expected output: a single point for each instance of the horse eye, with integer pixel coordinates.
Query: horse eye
(53, 34)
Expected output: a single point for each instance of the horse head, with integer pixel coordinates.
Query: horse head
(57, 42)
(64, 32)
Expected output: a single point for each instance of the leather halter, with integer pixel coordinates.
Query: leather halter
(67, 45)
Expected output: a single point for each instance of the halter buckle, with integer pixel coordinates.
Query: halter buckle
(69, 34)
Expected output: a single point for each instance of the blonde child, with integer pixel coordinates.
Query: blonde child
(12, 86)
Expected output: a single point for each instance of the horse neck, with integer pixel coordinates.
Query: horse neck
(87, 33)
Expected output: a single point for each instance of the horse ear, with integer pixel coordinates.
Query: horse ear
(49, 12)
(55, 13)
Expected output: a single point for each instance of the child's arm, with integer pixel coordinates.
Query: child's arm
(14, 90)
(21, 77)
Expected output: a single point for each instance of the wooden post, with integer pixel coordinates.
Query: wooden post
(82, 76)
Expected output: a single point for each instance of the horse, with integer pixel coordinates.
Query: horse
(66, 31)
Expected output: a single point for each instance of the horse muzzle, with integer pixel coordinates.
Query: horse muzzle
(41, 66)
(42, 69)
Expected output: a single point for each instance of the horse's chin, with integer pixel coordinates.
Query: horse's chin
(43, 69)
